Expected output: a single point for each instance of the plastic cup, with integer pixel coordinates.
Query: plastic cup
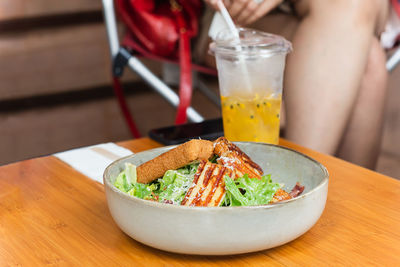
(250, 74)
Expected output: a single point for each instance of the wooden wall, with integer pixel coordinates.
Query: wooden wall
(51, 46)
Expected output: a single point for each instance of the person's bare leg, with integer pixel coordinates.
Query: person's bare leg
(323, 74)
(361, 142)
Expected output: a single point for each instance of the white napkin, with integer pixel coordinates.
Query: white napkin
(93, 160)
(217, 24)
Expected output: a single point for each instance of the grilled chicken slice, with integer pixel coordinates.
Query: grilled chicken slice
(231, 157)
(208, 189)
(281, 195)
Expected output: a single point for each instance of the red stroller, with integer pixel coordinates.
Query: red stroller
(186, 15)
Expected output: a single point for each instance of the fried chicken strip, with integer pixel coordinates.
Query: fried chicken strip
(174, 159)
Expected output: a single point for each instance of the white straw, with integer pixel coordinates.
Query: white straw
(228, 19)
(234, 31)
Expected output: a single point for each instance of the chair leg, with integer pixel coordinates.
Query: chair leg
(111, 27)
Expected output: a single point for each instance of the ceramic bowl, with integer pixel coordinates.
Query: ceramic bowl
(224, 230)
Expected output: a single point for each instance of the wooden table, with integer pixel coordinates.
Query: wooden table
(51, 214)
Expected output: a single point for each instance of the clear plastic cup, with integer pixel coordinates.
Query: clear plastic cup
(250, 73)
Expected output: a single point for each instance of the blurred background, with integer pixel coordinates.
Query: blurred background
(55, 91)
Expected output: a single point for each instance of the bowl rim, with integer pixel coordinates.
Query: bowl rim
(108, 184)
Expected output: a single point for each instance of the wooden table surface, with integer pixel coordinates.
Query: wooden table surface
(52, 214)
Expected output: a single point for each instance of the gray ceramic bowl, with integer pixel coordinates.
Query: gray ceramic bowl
(224, 230)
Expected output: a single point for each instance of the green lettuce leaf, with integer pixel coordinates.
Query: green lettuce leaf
(172, 187)
(122, 182)
(175, 183)
(245, 191)
(126, 181)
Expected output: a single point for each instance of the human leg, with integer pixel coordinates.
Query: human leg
(324, 72)
(361, 141)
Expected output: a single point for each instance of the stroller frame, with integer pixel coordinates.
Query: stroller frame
(121, 57)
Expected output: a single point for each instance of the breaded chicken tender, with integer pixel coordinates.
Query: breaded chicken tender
(174, 159)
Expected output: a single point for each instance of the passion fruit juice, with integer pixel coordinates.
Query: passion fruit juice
(254, 119)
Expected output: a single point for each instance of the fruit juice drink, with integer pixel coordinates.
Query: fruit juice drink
(250, 74)
(255, 119)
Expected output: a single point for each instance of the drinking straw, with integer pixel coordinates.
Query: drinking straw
(227, 18)
(235, 33)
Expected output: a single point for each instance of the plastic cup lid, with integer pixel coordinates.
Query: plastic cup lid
(251, 43)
